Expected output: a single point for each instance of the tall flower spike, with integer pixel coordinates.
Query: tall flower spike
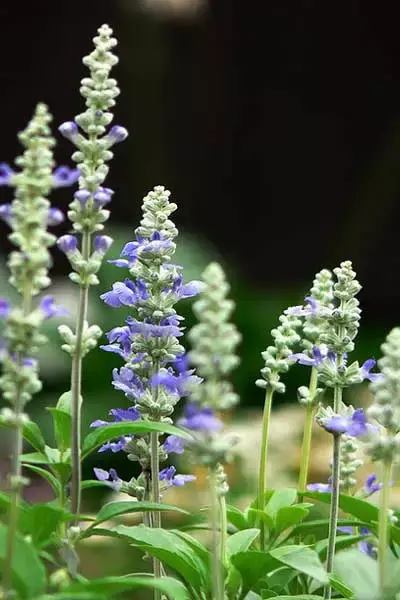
(88, 133)
(385, 445)
(214, 340)
(155, 374)
(28, 265)
(278, 359)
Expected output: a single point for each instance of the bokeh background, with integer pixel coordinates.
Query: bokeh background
(277, 127)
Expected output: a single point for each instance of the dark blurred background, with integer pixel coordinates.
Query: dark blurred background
(276, 125)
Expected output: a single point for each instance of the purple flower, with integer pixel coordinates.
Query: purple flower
(180, 384)
(170, 478)
(319, 487)
(69, 130)
(317, 358)
(64, 176)
(126, 381)
(199, 418)
(67, 243)
(119, 414)
(102, 197)
(121, 335)
(82, 196)
(6, 213)
(50, 310)
(365, 546)
(356, 425)
(110, 476)
(366, 368)
(186, 290)
(6, 173)
(370, 486)
(310, 309)
(125, 293)
(55, 217)
(102, 243)
(115, 446)
(150, 330)
(117, 134)
(5, 308)
(174, 444)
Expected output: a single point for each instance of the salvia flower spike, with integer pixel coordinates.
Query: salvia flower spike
(89, 133)
(28, 264)
(384, 446)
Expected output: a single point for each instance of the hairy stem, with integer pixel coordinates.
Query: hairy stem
(217, 565)
(16, 471)
(76, 386)
(307, 436)
(334, 509)
(156, 516)
(383, 523)
(262, 479)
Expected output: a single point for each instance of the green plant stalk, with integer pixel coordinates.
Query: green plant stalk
(15, 474)
(307, 436)
(223, 530)
(334, 508)
(156, 516)
(217, 565)
(383, 530)
(262, 478)
(76, 385)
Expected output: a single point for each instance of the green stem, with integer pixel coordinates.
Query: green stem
(262, 479)
(156, 516)
(383, 523)
(76, 386)
(307, 436)
(16, 472)
(223, 529)
(217, 566)
(334, 509)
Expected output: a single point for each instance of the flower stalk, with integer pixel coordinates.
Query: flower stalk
(383, 527)
(262, 476)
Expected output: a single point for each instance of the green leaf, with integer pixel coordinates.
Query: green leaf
(115, 509)
(109, 586)
(359, 572)
(89, 483)
(62, 428)
(280, 499)
(363, 510)
(37, 458)
(279, 579)
(241, 541)
(103, 434)
(254, 516)
(28, 572)
(320, 527)
(342, 542)
(287, 516)
(170, 548)
(49, 477)
(236, 517)
(74, 596)
(340, 587)
(302, 559)
(40, 521)
(31, 434)
(253, 566)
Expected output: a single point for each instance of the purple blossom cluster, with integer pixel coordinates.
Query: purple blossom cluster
(155, 364)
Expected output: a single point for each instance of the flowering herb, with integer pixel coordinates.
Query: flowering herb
(271, 548)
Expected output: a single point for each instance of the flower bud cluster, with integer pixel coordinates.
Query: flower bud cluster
(88, 132)
(349, 462)
(314, 325)
(29, 263)
(214, 340)
(385, 409)
(278, 357)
